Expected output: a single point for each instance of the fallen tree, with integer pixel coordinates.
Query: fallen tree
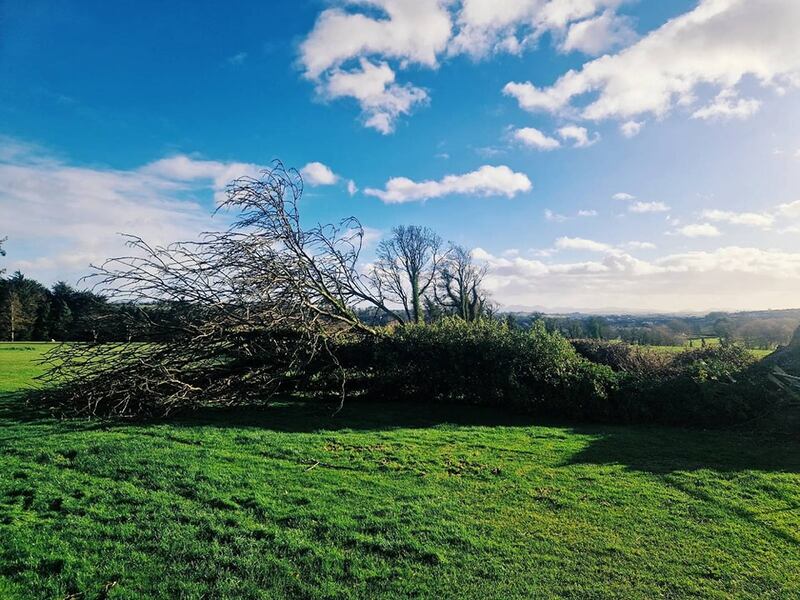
(231, 318)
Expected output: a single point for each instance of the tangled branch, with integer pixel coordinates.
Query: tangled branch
(229, 319)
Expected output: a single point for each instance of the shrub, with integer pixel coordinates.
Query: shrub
(539, 371)
(710, 386)
(624, 357)
(484, 362)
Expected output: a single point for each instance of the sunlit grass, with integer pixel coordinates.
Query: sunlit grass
(387, 501)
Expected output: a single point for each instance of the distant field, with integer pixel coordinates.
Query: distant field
(676, 349)
(387, 501)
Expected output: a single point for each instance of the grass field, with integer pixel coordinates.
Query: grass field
(695, 343)
(387, 501)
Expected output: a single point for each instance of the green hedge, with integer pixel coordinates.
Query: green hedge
(538, 371)
(482, 363)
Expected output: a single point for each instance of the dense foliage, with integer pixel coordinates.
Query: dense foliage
(31, 312)
(539, 371)
(485, 362)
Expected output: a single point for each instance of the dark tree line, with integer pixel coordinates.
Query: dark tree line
(31, 312)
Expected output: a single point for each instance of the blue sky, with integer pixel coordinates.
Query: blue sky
(598, 154)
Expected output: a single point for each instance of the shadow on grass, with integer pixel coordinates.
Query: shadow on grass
(15, 409)
(310, 417)
(654, 449)
(662, 450)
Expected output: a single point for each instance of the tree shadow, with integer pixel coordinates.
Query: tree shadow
(670, 454)
(311, 417)
(653, 449)
(664, 450)
(14, 408)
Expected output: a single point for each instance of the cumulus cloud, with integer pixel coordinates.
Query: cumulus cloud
(493, 26)
(631, 129)
(718, 43)
(415, 31)
(373, 85)
(355, 48)
(485, 181)
(534, 138)
(762, 220)
(695, 230)
(728, 105)
(579, 135)
(316, 173)
(409, 31)
(599, 34)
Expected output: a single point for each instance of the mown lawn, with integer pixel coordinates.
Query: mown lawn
(388, 501)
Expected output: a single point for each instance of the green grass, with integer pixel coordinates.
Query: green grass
(388, 501)
(676, 349)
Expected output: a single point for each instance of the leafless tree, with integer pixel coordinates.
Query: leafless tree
(233, 317)
(458, 286)
(405, 267)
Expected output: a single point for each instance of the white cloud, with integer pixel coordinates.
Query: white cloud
(237, 59)
(554, 217)
(587, 213)
(631, 129)
(409, 31)
(414, 31)
(718, 43)
(790, 209)
(491, 26)
(568, 243)
(183, 168)
(485, 181)
(728, 105)
(316, 173)
(623, 196)
(352, 189)
(648, 207)
(535, 139)
(710, 280)
(371, 236)
(763, 220)
(390, 35)
(599, 34)
(698, 230)
(579, 135)
(641, 245)
(557, 14)
(70, 216)
(373, 85)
